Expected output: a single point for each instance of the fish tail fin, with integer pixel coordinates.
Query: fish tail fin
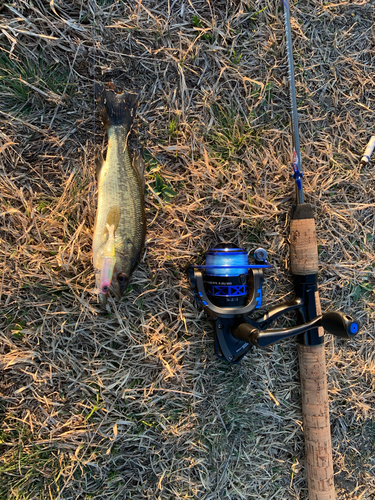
(118, 109)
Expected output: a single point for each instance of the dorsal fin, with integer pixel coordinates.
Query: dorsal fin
(139, 165)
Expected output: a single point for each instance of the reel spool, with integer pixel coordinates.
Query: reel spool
(230, 289)
(225, 283)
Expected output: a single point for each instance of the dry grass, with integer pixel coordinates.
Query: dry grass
(133, 404)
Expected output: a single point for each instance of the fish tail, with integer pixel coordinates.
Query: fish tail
(118, 109)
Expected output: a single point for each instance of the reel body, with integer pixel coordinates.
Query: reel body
(230, 290)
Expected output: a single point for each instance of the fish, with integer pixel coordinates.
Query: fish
(120, 221)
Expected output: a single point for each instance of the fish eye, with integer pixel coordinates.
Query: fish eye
(122, 277)
(105, 289)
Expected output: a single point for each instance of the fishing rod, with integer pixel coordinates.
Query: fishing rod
(311, 354)
(229, 289)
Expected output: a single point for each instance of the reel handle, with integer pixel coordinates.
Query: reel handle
(336, 323)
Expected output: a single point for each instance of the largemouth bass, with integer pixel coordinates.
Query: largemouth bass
(120, 224)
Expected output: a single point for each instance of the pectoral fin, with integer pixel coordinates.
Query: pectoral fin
(113, 217)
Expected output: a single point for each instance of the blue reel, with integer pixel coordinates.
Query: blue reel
(228, 287)
(230, 291)
(228, 277)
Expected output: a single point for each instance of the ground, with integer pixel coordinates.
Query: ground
(132, 403)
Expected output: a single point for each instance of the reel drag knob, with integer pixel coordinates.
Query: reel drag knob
(260, 255)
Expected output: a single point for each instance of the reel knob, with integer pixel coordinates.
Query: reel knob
(340, 325)
(260, 255)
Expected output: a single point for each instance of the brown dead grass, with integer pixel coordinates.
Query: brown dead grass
(132, 403)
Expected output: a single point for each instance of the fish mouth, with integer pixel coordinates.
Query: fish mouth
(117, 287)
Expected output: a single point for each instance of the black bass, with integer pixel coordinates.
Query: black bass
(120, 224)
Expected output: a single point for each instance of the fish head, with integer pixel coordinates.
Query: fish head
(118, 286)
(115, 281)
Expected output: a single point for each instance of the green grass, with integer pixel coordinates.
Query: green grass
(173, 127)
(197, 23)
(231, 134)
(363, 290)
(236, 57)
(27, 470)
(17, 73)
(158, 185)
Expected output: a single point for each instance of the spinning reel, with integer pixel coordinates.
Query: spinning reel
(230, 290)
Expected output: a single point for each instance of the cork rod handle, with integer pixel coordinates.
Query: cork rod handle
(315, 409)
(303, 244)
(316, 426)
